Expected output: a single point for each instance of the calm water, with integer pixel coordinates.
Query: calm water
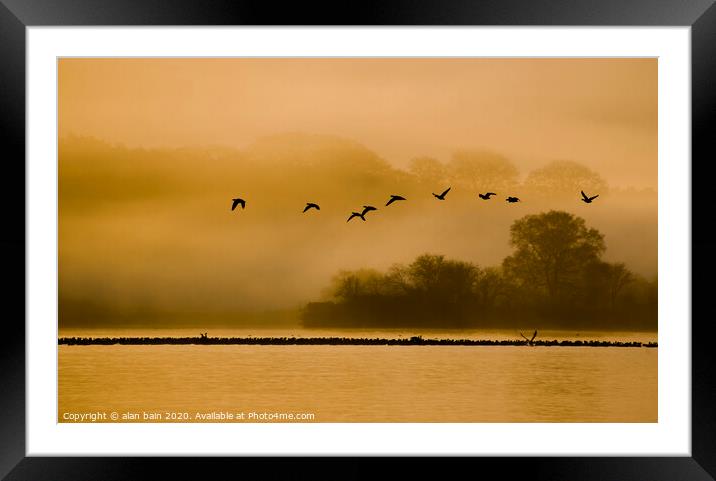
(364, 383)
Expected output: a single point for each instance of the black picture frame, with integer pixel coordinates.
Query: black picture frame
(16, 15)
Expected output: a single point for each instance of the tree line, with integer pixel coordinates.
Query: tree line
(555, 277)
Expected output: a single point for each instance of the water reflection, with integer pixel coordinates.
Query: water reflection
(366, 383)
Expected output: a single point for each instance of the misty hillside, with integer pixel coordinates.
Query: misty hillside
(149, 233)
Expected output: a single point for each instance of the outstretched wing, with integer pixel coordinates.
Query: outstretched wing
(234, 204)
(490, 193)
(366, 209)
(393, 198)
(584, 196)
(593, 197)
(308, 206)
(446, 191)
(534, 335)
(523, 336)
(352, 215)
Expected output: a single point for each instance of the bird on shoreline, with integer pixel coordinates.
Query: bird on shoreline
(486, 196)
(442, 196)
(586, 199)
(356, 214)
(366, 209)
(530, 342)
(512, 200)
(311, 205)
(394, 198)
(237, 202)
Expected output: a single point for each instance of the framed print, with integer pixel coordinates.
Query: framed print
(414, 232)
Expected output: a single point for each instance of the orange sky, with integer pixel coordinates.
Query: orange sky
(599, 112)
(143, 227)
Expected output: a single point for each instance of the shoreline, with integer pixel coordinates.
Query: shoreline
(336, 341)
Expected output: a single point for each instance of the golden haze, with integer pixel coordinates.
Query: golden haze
(151, 152)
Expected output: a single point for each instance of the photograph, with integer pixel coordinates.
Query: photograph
(417, 237)
(357, 240)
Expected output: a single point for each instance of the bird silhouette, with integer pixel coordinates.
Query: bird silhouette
(442, 196)
(530, 342)
(237, 202)
(393, 198)
(311, 205)
(356, 214)
(486, 196)
(512, 200)
(586, 199)
(366, 209)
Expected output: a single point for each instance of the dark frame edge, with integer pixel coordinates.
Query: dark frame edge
(366, 12)
(12, 240)
(703, 119)
(14, 464)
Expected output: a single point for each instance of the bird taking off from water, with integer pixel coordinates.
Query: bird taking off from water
(530, 342)
(237, 202)
(486, 196)
(512, 200)
(366, 209)
(311, 205)
(356, 214)
(442, 196)
(394, 198)
(586, 199)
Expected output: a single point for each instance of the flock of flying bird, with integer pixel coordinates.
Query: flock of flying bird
(394, 198)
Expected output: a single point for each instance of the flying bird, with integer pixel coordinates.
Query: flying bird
(311, 205)
(356, 214)
(442, 196)
(512, 200)
(530, 341)
(486, 196)
(588, 200)
(237, 202)
(366, 209)
(393, 198)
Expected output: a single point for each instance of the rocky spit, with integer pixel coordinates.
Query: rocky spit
(336, 341)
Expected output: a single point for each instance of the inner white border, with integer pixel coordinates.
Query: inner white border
(670, 436)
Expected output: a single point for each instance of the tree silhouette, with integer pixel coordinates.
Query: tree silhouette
(490, 287)
(481, 171)
(551, 250)
(447, 280)
(350, 285)
(604, 282)
(428, 170)
(619, 278)
(565, 178)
